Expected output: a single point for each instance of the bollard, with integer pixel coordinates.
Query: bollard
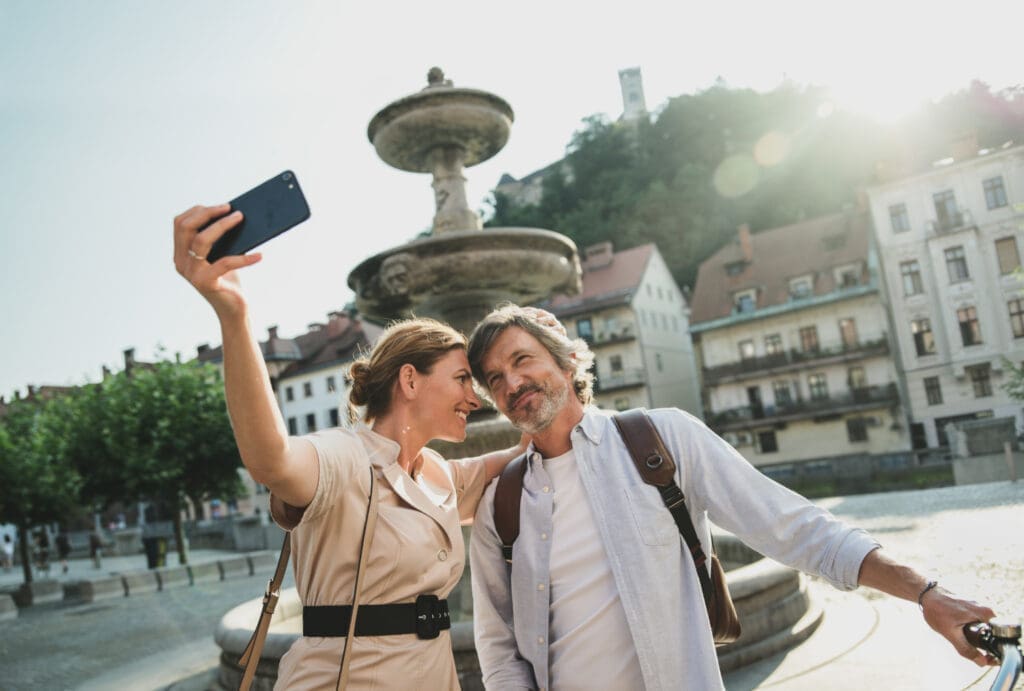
(1009, 461)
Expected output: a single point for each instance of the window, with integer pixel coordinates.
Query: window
(800, 287)
(289, 393)
(657, 361)
(311, 422)
(995, 192)
(766, 442)
(856, 429)
(331, 385)
(746, 301)
(924, 340)
(585, 330)
(307, 389)
(849, 278)
(933, 390)
(856, 378)
(1017, 316)
(333, 414)
(970, 332)
(1006, 253)
(946, 215)
(911, 274)
(981, 379)
(660, 295)
(848, 332)
(615, 361)
(956, 265)
(900, 219)
(622, 403)
(773, 344)
(293, 426)
(746, 349)
(818, 387)
(735, 268)
(783, 394)
(809, 339)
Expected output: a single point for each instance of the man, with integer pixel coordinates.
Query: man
(603, 594)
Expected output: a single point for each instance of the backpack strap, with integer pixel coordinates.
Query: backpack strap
(657, 467)
(507, 496)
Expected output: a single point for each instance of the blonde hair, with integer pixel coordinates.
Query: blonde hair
(417, 342)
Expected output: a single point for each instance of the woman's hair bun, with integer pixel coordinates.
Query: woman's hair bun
(359, 373)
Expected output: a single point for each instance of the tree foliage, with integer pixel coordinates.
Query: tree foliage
(713, 160)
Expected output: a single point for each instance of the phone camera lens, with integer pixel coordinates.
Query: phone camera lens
(287, 176)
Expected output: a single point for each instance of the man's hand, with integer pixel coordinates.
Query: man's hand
(948, 614)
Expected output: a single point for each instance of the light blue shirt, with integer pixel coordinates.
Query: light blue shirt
(655, 577)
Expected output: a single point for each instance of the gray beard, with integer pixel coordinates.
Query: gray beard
(547, 411)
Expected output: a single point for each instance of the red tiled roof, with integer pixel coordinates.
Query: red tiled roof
(780, 254)
(612, 283)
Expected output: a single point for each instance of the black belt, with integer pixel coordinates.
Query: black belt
(426, 618)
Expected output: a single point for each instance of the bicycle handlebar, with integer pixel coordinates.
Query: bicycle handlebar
(1002, 640)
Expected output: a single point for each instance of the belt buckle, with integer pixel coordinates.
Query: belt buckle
(428, 617)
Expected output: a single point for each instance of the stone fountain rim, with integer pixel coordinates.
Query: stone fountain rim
(467, 240)
(434, 97)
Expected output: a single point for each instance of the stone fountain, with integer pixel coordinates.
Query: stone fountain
(458, 273)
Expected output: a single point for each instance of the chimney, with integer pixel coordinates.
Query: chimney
(598, 256)
(272, 330)
(203, 347)
(106, 372)
(31, 391)
(964, 146)
(746, 246)
(129, 358)
(17, 394)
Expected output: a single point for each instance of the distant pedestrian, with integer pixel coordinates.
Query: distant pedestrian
(42, 551)
(63, 550)
(7, 553)
(95, 545)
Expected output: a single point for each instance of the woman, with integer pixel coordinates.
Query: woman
(415, 386)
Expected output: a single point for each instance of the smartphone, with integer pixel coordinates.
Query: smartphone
(268, 210)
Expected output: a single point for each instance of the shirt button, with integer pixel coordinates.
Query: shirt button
(546, 489)
(540, 586)
(543, 536)
(540, 639)
(442, 555)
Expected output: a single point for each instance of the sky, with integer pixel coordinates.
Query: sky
(117, 115)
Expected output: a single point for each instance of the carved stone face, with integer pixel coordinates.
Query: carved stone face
(394, 275)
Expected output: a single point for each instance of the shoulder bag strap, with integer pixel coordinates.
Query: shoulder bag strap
(364, 550)
(507, 497)
(656, 467)
(251, 655)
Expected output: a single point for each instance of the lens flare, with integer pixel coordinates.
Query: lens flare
(771, 149)
(736, 175)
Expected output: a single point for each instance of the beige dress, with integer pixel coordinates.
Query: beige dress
(417, 549)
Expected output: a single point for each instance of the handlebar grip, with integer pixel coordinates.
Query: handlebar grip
(978, 633)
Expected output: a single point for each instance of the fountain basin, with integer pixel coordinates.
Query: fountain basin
(461, 275)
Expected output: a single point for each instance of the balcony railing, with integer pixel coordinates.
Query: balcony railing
(792, 359)
(853, 399)
(620, 380)
(958, 220)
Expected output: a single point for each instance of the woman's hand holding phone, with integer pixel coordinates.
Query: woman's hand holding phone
(195, 232)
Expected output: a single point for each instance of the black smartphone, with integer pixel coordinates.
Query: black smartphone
(268, 210)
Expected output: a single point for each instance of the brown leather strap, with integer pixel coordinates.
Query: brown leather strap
(657, 467)
(507, 496)
(251, 655)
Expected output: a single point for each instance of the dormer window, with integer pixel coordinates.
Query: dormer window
(745, 301)
(735, 268)
(848, 276)
(800, 287)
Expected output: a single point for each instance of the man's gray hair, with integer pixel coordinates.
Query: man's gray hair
(571, 355)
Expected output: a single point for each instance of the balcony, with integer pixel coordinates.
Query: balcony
(788, 361)
(957, 221)
(621, 335)
(852, 400)
(625, 379)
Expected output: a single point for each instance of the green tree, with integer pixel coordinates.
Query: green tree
(39, 485)
(158, 433)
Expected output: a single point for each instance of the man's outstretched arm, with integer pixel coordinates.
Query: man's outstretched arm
(943, 612)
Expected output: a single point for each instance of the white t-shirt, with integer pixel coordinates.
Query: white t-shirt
(586, 612)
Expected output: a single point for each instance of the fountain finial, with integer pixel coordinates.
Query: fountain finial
(435, 78)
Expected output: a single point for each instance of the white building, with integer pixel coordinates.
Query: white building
(792, 337)
(949, 239)
(635, 319)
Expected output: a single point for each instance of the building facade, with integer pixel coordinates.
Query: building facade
(950, 241)
(635, 319)
(791, 333)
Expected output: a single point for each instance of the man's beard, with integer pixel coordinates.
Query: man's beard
(551, 403)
